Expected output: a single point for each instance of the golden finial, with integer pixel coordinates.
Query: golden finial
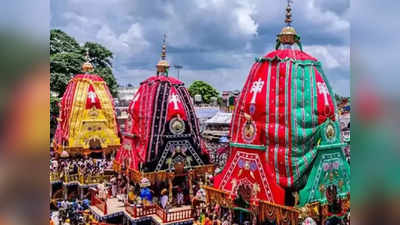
(288, 19)
(164, 48)
(162, 65)
(288, 34)
(87, 66)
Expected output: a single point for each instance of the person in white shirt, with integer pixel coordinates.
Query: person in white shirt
(164, 198)
(179, 198)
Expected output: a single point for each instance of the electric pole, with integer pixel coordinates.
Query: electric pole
(178, 68)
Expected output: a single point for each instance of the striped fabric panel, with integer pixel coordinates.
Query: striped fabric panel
(153, 125)
(67, 106)
(272, 120)
(77, 107)
(296, 72)
(304, 120)
(281, 134)
(267, 141)
(287, 126)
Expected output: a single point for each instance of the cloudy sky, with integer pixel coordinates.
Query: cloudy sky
(214, 40)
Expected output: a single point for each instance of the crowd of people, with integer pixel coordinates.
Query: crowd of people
(117, 186)
(87, 167)
(71, 213)
(214, 214)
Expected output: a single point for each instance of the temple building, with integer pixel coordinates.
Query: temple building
(161, 140)
(286, 148)
(87, 122)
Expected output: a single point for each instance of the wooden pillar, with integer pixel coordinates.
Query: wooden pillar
(81, 190)
(170, 177)
(190, 185)
(80, 176)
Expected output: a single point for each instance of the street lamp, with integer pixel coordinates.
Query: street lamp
(178, 67)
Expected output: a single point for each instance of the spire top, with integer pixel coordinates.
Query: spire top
(162, 65)
(288, 19)
(87, 66)
(164, 48)
(288, 35)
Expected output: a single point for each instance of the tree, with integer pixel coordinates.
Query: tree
(53, 113)
(341, 99)
(61, 42)
(66, 59)
(204, 89)
(63, 66)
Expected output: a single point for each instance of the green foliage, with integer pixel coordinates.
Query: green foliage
(340, 99)
(53, 113)
(66, 59)
(204, 89)
(63, 66)
(99, 55)
(108, 77)
(61, 42)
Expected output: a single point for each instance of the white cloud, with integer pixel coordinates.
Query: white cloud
(330, 21)
(341, 86)
(202, 4)
(332, 57)
(336, 64)
(131, 42)
(245, 22)
(214, 40)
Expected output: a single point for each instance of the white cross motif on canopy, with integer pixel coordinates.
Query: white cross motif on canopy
(255, 89)
(175, 99)
(92, 96)
(322, 89)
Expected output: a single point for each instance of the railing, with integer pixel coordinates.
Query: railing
(160, 212)
(71, 178)
(282, 214)
(79, 177)
(131, 210)
(92, 179)
(219, 196)
(141, 211)
(96, 201)
(102, 205)
(162, 175)
(54, 176)
(265, 210)
(145, 211)
(165, 216)
(182, 214)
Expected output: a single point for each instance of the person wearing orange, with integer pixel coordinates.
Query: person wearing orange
(207, 220)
